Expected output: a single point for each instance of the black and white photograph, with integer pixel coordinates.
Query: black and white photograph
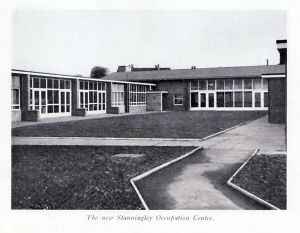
(142, 110)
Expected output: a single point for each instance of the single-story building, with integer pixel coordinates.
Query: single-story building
(220, 88)
(36, 95)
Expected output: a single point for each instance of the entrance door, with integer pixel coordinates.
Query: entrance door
(43, 102)
(36, 100)
(202, 101)
(211, 99)
(194, 99)
(257, 99)
(101, 101)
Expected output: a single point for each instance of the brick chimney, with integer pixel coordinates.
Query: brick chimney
(282, 49)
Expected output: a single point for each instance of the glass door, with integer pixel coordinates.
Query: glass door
(211, 99)
(202, 101)
(36, 100)
(62, 102)
(43, 102)
(101, 101)
(194, 100)
(257, 99)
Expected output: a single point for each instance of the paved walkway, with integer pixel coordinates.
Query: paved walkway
(199, 181)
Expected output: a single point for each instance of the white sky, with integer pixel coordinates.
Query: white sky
(73, 41)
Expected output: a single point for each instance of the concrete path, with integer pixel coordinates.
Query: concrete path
(199, 181)
(92, 141)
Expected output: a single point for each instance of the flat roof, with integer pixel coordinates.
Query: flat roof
(199, 73)
(16, 71)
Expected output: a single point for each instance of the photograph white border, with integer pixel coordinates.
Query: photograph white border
(224, 221)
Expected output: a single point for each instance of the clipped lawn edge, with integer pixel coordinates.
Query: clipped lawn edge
(156, 169)
(225, 130)
(245, 192)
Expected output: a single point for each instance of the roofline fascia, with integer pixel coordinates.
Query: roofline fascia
(76, 77)
(205, 78)
(273, 76)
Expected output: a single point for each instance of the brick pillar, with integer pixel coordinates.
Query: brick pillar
(187, 96)
(74, 95)
(108, 98)
(126, 97)
(25, 92)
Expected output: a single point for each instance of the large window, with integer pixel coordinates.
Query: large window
(92, 96)
(220, 84)
(194, 99)
(228, 84)
(229, 93)
(238, 84)
(238, 99)
(15, 92)
(247, 99)
(137, 94)
(220, 99)
(117, 94)
(266, 99)
(211, 84)
(50, 95)
(228, 99)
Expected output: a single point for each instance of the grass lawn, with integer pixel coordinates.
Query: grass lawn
(265, 177)
(197, 124)
(81, 177)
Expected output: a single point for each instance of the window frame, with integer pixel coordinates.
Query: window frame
(176, 98)
(137, 94)
(50, 102)
(15, 106)
(88, 90)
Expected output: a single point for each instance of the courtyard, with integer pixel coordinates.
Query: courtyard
(74, 164)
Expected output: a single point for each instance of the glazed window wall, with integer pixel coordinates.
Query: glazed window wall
(15, 93)
(137, 94)
(92, 96)
(50, 96)
(229, 94)
(117, 94)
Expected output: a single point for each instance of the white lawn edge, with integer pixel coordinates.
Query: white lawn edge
(139, 195)
(225, 130)
(153, 170)
(245, 192)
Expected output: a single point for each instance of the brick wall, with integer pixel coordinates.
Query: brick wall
(277, 100)
(137, 109)
(175, 87)
(15, 115)
(25, 92)
(154, 101)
